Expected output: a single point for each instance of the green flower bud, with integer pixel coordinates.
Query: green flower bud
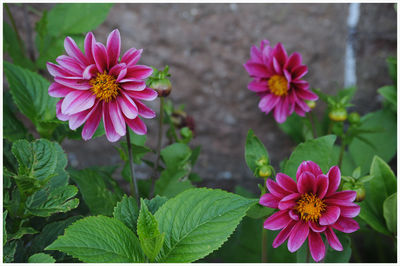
(265, 171)
(311, 104)
(262, 161)
(360, 189)
(354, 118)
(162, 86)
(338, 115)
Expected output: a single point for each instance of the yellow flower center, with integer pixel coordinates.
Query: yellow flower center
(104, 86)
(278, 85)
(310, 207)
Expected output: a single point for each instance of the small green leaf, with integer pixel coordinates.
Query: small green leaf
(254, 151)
(171, 183)
(99, 239)
(13, 129)
(155, 203)
(23, 231)
(47, 201)
(333, 256)
(41, 258)
(197, 222)
(392, 65)
(9, 251)
(389, 93)
(390, 213)
(317, 150)
(151, 240)
(4, 227)
(127, 211)
(176, 155)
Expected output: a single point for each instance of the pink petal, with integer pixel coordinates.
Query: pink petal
(346, 195)
(131, 57)
(256, 70)
(289, 201)
(322, 186)
(116, 118)
(100, 57)
(286, 182)
(277, 220)
(293, 61)
(113, 47)
(276, 66)
(89, 41)
(111, 133)
(92, 122)
(119, 71)
(133, 85)
(144, 111)
(280, 54)
(89, 72)
(256, 55)
(294, 215)
(139, 72)
(137, 126)
(57, 71)
(257, 86)
(280, 114)
(299, 71)
(58, 90)
(72, 50)
(316, 245)
(338, 202)
(128, 106)
(59, 114)
(306, 95)
(283, 235)
(309, 166)
(334, 180)
(77, 101)
(276, 189)
(268, 102)
(147, 94)
(350, 211)
(76, 120)
(269, 200)
(297, 236)
(301, 84)
(299, 111)
(346, 225)
(307, 183)
(70, 64)
(330, 215)
(78, 84)
(333, 240)
(316, 227)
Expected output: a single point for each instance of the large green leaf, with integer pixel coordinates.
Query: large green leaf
(99, 239)
(151, 240)
(47, 201)
(41, 258)
(317, 150)
(29, 91)
(95, 190)
(384, 142)
(378, 189)
(198, 221)
(390, 213)
(254, 151)
(127, 211)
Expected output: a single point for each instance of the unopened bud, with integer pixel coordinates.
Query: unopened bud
(338, 115)
(265, 171)
(162, 86)
(311, 104)
(354, 118)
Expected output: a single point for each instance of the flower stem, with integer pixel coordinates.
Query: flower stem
(133, 183)
(264, 246)
(159, 140)
(310, 117)
(342, 148)
(14, 27)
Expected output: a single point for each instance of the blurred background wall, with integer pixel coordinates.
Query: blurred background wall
(205, 46)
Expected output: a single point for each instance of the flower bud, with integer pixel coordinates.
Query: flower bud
(265, 171)
(311, 104)
(338, 115)
(354, 118)
(262, 161)
(162, 86)
(360, 193)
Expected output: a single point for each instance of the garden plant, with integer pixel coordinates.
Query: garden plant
(335, 188)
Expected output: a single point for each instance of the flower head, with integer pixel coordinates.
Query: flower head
(310, 207)
(277, 80)
(98, 85)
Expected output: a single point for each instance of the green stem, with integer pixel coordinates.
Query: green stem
(133, 183)
(330, 127)
(309, 116)
(159, 141)
(264, 246)
(14, 27)
(342, 149)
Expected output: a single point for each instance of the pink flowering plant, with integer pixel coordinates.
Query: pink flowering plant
(335, 189)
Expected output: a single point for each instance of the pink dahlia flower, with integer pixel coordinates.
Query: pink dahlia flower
(310, 207)
(277, 80)
(98, 85)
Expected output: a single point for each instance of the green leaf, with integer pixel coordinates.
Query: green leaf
(95, 190)
(76, 18)
(151, 240)
(256, 211)
(385, 142)
(13, 48)
(390, 213)
(49, 234)
(99, 239)
(333, 256)
(293, 126)
(254, 151)
(127, 211)
(155, 203)
(4, 227)
(318, 150)
(13, 129)
(172, 182)
(389, 93)
(47, 201)
(198, 221)
(23, 231)
(41, 258)
(9, 251)
(29, 91)
(137, 151)
(381, 186)
(176, 155)
(392, 65)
